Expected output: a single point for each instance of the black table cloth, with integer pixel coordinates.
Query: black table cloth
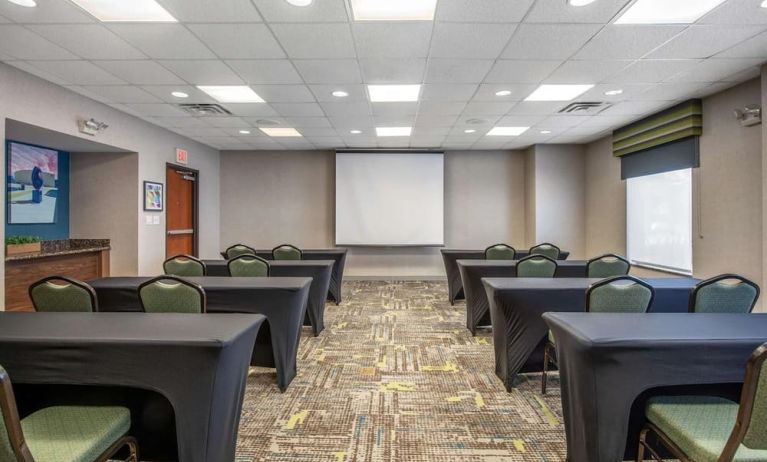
(282, 300)
(336, 278)
(450, 256)
(198, 362)
(517, 306)
(472, 272)
(607, 360)
(319, 270)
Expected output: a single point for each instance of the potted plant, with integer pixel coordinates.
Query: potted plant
(19, 245)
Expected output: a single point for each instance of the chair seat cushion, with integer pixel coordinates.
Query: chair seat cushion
(699, 425)
(74, 433)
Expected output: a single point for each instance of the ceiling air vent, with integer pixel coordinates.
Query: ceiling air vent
(585, 108)
(204, 110)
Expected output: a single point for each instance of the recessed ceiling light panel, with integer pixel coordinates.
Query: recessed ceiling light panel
(244, 132)
(507, 131)
(614, 92)
(469, 130)
(355, 132)
(340, 94)
(280, 132)
(545, 132)
(231, 93)
(393, 131)
(667, 11)
(126, 11)
(558, 92)
(26, 3)
(393, 93)
(394, 10)
(580, 2)
(179, 94)
(503, 93)
(300, 2)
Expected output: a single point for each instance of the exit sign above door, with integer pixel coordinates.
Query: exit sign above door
(182, 157)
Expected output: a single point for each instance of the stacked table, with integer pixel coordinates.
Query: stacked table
(198, 363)
(282, 300)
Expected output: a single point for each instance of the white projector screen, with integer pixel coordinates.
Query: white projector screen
(390, 199)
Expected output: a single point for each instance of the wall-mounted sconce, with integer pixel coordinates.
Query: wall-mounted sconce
(749, 115)
(91, 126)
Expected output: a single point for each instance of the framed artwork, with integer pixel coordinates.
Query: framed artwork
(32, 184)
(153, 197)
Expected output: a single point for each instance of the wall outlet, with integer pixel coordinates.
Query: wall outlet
(156, 220)
(149, 219)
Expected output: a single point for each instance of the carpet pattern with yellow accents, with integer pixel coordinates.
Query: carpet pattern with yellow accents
(396, 376)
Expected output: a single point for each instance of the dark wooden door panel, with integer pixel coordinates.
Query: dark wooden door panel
(181, 211)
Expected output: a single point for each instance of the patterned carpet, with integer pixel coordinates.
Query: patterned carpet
(396, 376)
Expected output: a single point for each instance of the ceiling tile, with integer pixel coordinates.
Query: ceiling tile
(123, 94)
(429, 131)
(483, 10)
(383, 71)
(315, 41)
(346, 108)
(278, 71)
(630, 91)
(636, 108)
(489, 107)
(520, 120)
(513, 71)
(298, 109)
(557, 11)
(326, 142)
(426, 141)
(736, 12)
(549, 41)
(457, 70)
(52, 11)
(28, 68)
(158, 110)
(563, 121)
(519, 91)
(404, 120)
(346, 122)
(671, 91)
(704, 41)
(625, 41)
(714, 69)
(140, 72)
(585, 72)
(457, 40)
(652, 70)
(89, 41)
(329, 71)
(20, 43)
(394, 109)
(180, 122)
(239, 41)
(227, 122)
(163, 92)
(317, 11)
(384, 39)
(328, 131)
(755, 47)
(435, 120)
(324, 93)
(448, 91)
(191, 11)
(78, 72)
(206, 72)
(163, 41)
(476, 121)
(441, 107)
(284, 93)
(537, 107)
(251, 110)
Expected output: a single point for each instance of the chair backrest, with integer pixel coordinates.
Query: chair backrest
(500, 252)
(727, 293)
(238, 249)
(606, 266)
(248, 266)
(549, 250)
(286, 252)
(184, 265)
(62, 294)
(12, 445)
(751, 424)
(619, 294)
(536, 266)
(171, 294)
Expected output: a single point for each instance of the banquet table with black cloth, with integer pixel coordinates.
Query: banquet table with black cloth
(199, 364)
(607, 361)
(337, 276)
(319, 270)
(472, 272)
(282, 300)
(449, 258)
(518, 304)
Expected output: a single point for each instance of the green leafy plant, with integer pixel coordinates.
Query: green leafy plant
(17, 240)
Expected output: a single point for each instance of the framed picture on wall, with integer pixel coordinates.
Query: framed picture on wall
(153, 197)
(32, 184)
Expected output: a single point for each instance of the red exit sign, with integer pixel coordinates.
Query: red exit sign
(182, 157)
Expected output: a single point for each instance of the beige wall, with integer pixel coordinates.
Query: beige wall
(484, 204)
(605, 201)
(530, 239)
(102, 191)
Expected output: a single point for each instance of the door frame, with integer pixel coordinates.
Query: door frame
(196, 219)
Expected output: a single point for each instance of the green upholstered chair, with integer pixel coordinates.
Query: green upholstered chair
(536, 266)
(606, 266)
(618, 294)
(712, 429)
(62, 294)
(171, 294)
(248, 266)
(549, 250)
(62, 433)
(238, 249)
(500, 252)
(726, 293)
(287, 252)
(184, 265)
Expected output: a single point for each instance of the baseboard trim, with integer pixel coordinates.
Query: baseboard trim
(395, 278)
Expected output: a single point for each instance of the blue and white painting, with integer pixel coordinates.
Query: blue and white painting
(33, 174)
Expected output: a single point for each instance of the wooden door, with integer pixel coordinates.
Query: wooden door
(181, 213)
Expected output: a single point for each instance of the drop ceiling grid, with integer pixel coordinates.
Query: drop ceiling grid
(472, 49)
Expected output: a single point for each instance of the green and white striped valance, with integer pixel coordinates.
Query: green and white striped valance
(681, 121)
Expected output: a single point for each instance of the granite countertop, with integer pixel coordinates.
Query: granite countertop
(64, 247)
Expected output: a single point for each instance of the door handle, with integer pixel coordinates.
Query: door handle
(178, 232)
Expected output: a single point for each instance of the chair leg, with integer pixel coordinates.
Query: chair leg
(643, 444)
(545, 368)
(126, 441)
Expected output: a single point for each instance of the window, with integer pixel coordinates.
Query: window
(659, 220)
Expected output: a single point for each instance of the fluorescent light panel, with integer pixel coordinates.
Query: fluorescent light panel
(667, 11)
(393, 131)
(393, 93)
(231, 93)
(394, 10)
(507, 131)
(126, 11)
(280, 132)
(558, 92)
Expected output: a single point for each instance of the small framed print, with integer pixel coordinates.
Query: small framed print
(153, 197)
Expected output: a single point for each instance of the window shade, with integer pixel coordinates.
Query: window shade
(679, 122)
